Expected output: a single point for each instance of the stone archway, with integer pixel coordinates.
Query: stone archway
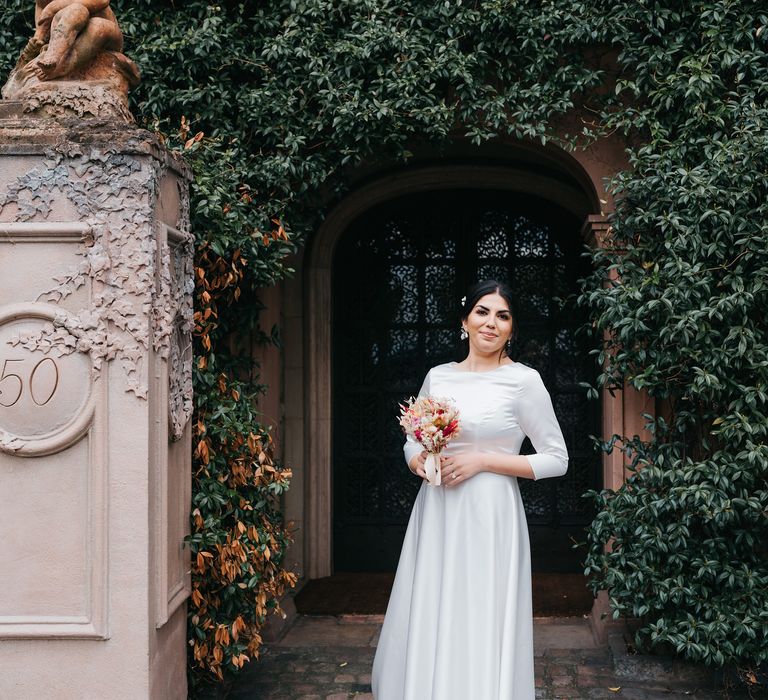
(575, 180)
(567, 184)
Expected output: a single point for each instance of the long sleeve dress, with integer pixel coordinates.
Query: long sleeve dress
(459, 623)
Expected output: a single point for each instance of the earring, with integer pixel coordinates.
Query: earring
(509, 343)
(463, 335)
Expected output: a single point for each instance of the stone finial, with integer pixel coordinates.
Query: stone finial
(74, 65)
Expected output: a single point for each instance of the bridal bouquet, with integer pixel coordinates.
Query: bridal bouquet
(432, 422)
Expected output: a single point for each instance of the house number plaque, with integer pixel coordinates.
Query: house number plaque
(50, 378)
(45, 394)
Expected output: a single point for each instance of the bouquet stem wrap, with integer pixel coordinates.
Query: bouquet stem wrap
(432, 468)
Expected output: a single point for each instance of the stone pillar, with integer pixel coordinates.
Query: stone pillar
(95, 400)
(622, 410)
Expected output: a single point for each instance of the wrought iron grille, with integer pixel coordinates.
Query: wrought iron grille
(399, 272)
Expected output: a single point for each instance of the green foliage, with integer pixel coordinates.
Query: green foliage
(299, 90)
(238, 541)
(687, 323)
(292, 95)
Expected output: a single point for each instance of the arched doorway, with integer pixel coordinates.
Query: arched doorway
(398, 272)
(546, 173)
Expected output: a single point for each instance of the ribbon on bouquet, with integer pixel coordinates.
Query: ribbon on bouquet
(432, 468)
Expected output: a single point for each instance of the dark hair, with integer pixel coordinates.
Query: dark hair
(479, 290)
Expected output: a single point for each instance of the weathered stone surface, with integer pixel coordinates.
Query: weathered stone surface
(61, 99)
(298, 667)
(654, 668)
(110, 191)
(95, 398)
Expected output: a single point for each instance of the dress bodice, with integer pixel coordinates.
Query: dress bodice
(498, 408)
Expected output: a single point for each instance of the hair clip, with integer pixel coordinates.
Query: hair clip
(463, 300)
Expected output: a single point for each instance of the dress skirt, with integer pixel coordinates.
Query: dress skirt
(459, 624)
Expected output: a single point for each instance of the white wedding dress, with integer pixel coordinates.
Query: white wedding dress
(459, 624)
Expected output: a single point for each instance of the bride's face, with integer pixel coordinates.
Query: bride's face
(489, 324)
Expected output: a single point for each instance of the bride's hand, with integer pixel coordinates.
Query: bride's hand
(463, 466)
(416, 465)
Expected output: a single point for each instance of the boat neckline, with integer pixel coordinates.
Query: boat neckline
(452, 365)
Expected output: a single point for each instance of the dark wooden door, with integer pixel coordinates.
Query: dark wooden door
(399, 274)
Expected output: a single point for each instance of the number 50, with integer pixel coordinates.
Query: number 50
(35, 390)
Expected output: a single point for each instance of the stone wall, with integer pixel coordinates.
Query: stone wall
(95, 400)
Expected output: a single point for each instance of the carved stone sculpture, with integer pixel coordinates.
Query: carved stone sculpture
(74, 65)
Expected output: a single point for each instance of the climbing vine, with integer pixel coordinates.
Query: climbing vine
(685, 321)
(275, 105)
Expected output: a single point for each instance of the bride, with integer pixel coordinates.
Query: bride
(459, 623)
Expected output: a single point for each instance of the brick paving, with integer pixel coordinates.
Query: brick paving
(330, 658)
